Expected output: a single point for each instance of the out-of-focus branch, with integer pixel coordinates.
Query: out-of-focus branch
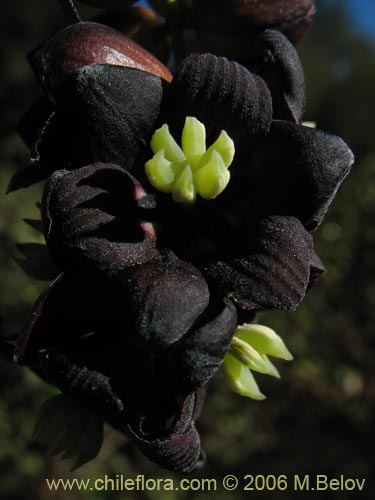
(70, 11)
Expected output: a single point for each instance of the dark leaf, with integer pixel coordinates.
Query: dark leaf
(89, 444)
(38, 263)
(59, 409)
(26, 177)
(28, 343)
(317, 269)
(36, 224)
(6, 343)
(34, 251)
(37, 271)
(66, 427)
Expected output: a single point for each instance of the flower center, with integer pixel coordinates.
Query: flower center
(190, 169)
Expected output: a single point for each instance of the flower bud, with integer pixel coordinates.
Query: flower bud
(86, 43)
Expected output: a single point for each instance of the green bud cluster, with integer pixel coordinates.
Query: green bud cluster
(249, 350)
(190, 169)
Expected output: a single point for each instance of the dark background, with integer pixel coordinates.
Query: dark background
(318, 419)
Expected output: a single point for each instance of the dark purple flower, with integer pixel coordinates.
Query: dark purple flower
(93, 337)
(144, 310)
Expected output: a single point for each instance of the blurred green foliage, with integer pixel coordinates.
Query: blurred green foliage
(317, 418)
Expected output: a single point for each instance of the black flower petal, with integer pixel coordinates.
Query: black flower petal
(294, 170)
(163, 299)
(73, 339)
(111, 111)
(93, 215)
(77, 303)
(304, 168)
(198, 356)
(130, 329)
(85, 43)
(270, 271)
(222, 94)
(105, 114)
(80, 318)
(281, 69)
(179, 449)
(92, 388)
(175, 446)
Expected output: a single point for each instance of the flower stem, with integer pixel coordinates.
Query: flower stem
(70, 11)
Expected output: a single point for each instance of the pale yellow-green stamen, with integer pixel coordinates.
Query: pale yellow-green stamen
(191, 169)
(249, 350)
